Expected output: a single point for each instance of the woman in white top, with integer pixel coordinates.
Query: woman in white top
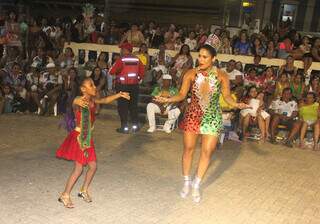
(191, 41)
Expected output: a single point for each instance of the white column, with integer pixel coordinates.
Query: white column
(240, 14)
(86, 56)
(110, 58)
(98, 53)
(309, 14)
(267, 12)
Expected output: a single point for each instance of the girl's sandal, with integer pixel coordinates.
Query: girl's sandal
(66, 201)
(85, 196)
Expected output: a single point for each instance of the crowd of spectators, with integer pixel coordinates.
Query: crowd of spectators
(38, 75)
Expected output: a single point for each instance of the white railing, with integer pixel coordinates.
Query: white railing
(110, 49)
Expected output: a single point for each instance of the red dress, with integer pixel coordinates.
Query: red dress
(70, 148)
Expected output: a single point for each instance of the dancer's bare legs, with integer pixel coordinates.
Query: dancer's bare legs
(65, 196)
(189, 141)
(89, 175)
(87, 180)
(208, 145)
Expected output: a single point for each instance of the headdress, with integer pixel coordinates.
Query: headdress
(214, 41)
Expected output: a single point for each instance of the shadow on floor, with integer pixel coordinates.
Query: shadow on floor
(226, 159)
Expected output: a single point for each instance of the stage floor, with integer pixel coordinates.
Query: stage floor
(139, 177)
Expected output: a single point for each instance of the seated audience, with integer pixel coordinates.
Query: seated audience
(133, 36)
(242, 46)
(309, 117)
(289, 67)
(191, 41)
(99, 80)
(268, 84)
(297, 86)
(256, 114)
(180, 64)
(251, 78)
(256, 65)
(284, 111)
(315, 50)
(235, 76)
(282, 83)
(169, 110)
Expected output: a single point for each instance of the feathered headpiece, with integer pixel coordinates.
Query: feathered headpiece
(88, 10)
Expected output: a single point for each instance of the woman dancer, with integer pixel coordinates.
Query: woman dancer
(203, 117)
(78, 146)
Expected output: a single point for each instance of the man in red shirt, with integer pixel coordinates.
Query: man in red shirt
(129, 71)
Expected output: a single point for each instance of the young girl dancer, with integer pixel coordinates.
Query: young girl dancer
(203, 116)
(78, 146)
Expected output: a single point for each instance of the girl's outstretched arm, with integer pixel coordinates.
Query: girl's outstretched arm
(109, 99)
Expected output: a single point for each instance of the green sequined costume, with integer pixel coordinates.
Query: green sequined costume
(204, 115)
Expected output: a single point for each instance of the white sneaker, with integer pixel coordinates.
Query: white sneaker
(196, 196)
(185, 189)
(151, 129)
(167, 128)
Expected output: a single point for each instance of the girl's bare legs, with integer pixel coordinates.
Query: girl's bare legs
(89, 175)
(262, 127)
(189, 141)
(303, 132)
(65, 196)
(267, 122)
(77, 170)
(87, 180)
(245, 125)
(316, 132)
(208, 145)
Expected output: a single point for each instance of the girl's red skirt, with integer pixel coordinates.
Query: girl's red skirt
(70, 150)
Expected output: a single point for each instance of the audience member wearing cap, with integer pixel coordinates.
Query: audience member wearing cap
(164, 90)
(167, 77)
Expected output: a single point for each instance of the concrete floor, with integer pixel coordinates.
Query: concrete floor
(138, 179)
